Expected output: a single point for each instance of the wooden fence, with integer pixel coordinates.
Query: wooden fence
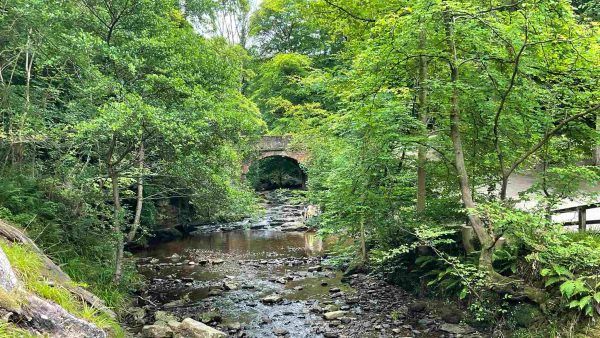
(582, 221)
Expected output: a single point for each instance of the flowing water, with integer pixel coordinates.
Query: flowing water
(226, 274)
(265, 278)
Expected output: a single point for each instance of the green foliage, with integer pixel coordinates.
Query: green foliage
(84, 87)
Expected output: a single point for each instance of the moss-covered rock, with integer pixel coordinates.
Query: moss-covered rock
(527, 315)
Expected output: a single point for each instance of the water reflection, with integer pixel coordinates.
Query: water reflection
(260, 243)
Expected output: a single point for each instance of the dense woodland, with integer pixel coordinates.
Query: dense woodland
(120, 118)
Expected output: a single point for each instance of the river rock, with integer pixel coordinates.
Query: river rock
(315, 268)
(235, 326)
(417, 307)
(163, 316)
(456, 329)
(137, 315)
(451, 316)
(293, 226)
(333, 315)
(230, 286)
(271, 299)
(331, 308)
(190, 328)
(210, 316)
(215, 292)
(157, 331)
(174, 325)
(280, 331)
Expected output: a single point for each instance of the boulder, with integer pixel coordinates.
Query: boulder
(190, 328)
(157, 331)
(174, 325)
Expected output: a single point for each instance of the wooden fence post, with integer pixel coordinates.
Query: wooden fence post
(582, 218)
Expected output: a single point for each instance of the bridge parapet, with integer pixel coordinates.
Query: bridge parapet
(274, 143)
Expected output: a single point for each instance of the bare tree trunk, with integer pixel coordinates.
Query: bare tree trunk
(140, 194)
(422, 150)
(117, 224)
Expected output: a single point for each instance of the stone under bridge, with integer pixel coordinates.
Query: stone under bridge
(270, 146)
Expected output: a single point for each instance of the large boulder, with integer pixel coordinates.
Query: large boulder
(190, 328)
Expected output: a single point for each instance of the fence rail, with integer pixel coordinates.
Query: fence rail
(582, 221)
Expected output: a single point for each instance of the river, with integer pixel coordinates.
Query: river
(264, 280)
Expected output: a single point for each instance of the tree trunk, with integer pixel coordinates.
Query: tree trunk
(476, 223)
(140, 194)
(117, 224)
(597, 150)
(363, 244)
(422, 150)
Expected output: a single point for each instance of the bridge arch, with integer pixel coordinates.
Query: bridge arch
(271, 146)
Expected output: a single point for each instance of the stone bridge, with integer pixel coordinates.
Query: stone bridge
(275, 146)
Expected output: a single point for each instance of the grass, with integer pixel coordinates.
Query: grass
(8, 330)
(30, 270)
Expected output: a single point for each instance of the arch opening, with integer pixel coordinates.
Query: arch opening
(276, 172)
